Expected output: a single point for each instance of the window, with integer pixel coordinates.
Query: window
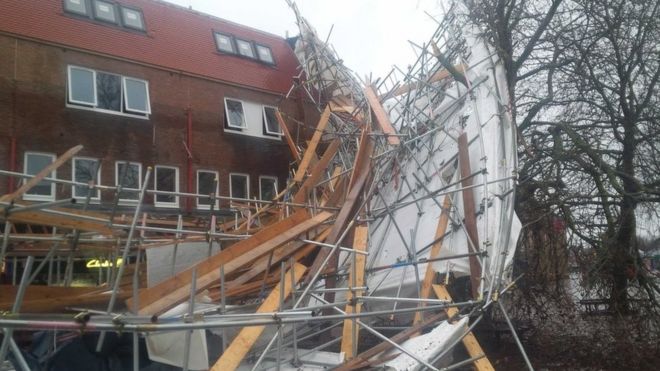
(105, 11)
(239, 185)
(224, 43)
(271, 125)
(108, 92)
(245, 48)
(234, 114)
(137, 95)
(82, 86)
(132, 18)
(33, 163)
(166, 179)
(265, 54)
(129, 175)
(85, 170)
(76, 6)
(207, 183)
(267, 187)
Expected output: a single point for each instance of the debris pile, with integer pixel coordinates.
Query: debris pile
(404, 189)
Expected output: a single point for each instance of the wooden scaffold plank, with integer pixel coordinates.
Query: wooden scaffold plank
(425, 292)
(246, 338)
(470, 341)
(310, 152)
(469, 210)
(350, 334)
(176, 289)
(381, 116)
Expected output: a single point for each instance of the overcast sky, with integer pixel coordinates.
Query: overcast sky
(369, 35)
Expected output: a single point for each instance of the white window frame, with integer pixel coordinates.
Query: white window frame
(157, 203)
(217, 189)
(278, 133)
(32, 197)
(247, 184)
(118, 175)
(69, 98)
(270, 177)
(96, 198)
(229, 125)
(70, 103)
(125, 95)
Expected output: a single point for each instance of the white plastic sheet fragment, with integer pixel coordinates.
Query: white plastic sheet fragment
(427, 346)
(169, 347)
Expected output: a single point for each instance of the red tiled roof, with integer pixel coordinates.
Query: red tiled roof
(176, 38)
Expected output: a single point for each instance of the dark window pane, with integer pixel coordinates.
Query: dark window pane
(34, 164)
(132, 18)
(129, 178)
(224, 43)
(82, 86)
(75, 6)
(108, 88)
(235, 114)
(205, 183)
(136, 95)
(265, 54)
(84, 173)
(105, 11)
(245, 48)
(268, 188)
(239, 186)
(166, 181)
(272, 126)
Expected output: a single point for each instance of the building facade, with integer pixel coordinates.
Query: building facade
(142, 83)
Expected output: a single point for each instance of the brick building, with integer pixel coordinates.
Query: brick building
(142, 83)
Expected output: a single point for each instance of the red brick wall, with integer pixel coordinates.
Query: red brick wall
(32, 110)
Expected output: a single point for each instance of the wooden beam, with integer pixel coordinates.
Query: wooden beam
(317, 172)
(361, 173)
(177, 288)
(59, 221)
(350, 334)
(438, 76)
(279, 254)
(42, 174)
(381, 116)
(310, 152)
(470, 341)
(246, 338)
(469, 211)
(425, 292)
(287, 136)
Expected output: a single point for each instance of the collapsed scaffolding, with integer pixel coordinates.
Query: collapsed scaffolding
(405, 187)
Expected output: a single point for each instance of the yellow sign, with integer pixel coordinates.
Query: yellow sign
(95, 263)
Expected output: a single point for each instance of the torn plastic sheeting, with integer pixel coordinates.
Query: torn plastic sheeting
(427, 346)
(169, 347)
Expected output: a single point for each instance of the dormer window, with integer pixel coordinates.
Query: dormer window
(224, 43)
(105, 11)
(76, 6)
(132, 18)
(245, 48)
(265, 54)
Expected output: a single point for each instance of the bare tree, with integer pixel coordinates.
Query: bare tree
(607, 134)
